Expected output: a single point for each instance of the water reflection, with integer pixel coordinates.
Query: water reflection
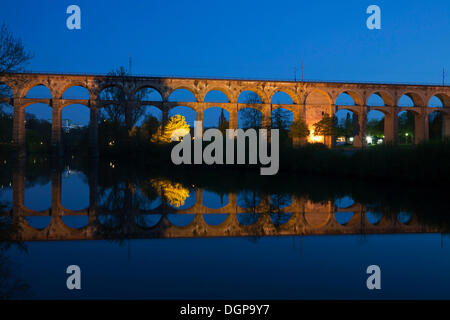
(10, 284)
(231, 222)
(128, 206)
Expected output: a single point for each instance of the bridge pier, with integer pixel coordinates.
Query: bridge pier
(18, 187)
(391, 126)
(19, 127)
(446, 126)
(200, 114)
(360, 123)
(232, 123)
(421, 132)
(93, 132)
(56, 144)
(266, 119)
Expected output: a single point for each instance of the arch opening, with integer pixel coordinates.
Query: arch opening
(148, 94)
(346, 127)
(38, 193)
(111, 126)
(216, 96)
(39, 92)
(112, 93)
(374, 217)
(75, 127)
(410, 100)
(282, 118)
(281, 97)
(147, 221)
(188, 113)
(74, 190)
(344, 202)
(75, 222)
(345, 99)
(5, 91)
(182, 95)
(375, 127)
(180, 219)
(375, 100)
(439, 101)
(38, 127)
(215, 219)
(216, 117)
(76, 92)
(214, 200)
(436, 126)
(343, 218)
(6, 122)
(406, 127)
(249, 118)
(249, 97)
(380, 99)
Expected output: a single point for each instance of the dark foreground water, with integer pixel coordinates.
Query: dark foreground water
(143, 234)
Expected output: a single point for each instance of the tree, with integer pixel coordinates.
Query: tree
(117, 120)
(435, 125)
(176, 127)
(250, 115)
(280, 119)
(299, 129)
(223, 123)
(406, 127)
(326, 127)
(349, 127)
(150, 127)
(375, 128)
(13, 57)
(120, 114)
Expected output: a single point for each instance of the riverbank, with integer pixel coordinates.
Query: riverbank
(426, 163)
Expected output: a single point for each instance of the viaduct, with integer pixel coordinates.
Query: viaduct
(310, 100)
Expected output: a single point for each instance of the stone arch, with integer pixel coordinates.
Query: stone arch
(27, 89)
(105, 87)
(445, 99)
(150, 110)
(6, 90)
(288, 91)
(71, 85)
(416, 98)
(259, 92)
(318, 95)
(356, 96)
(381, 109)
(387, 97)
(231, 98)
(189, 113)
(148, 86)
(292, 109)
(69, 103)
(188, 88)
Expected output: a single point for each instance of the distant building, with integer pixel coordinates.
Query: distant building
(68, 125)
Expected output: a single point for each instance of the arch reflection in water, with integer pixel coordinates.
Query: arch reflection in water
(121, 210)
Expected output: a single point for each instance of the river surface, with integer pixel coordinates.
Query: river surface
(141, 234)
